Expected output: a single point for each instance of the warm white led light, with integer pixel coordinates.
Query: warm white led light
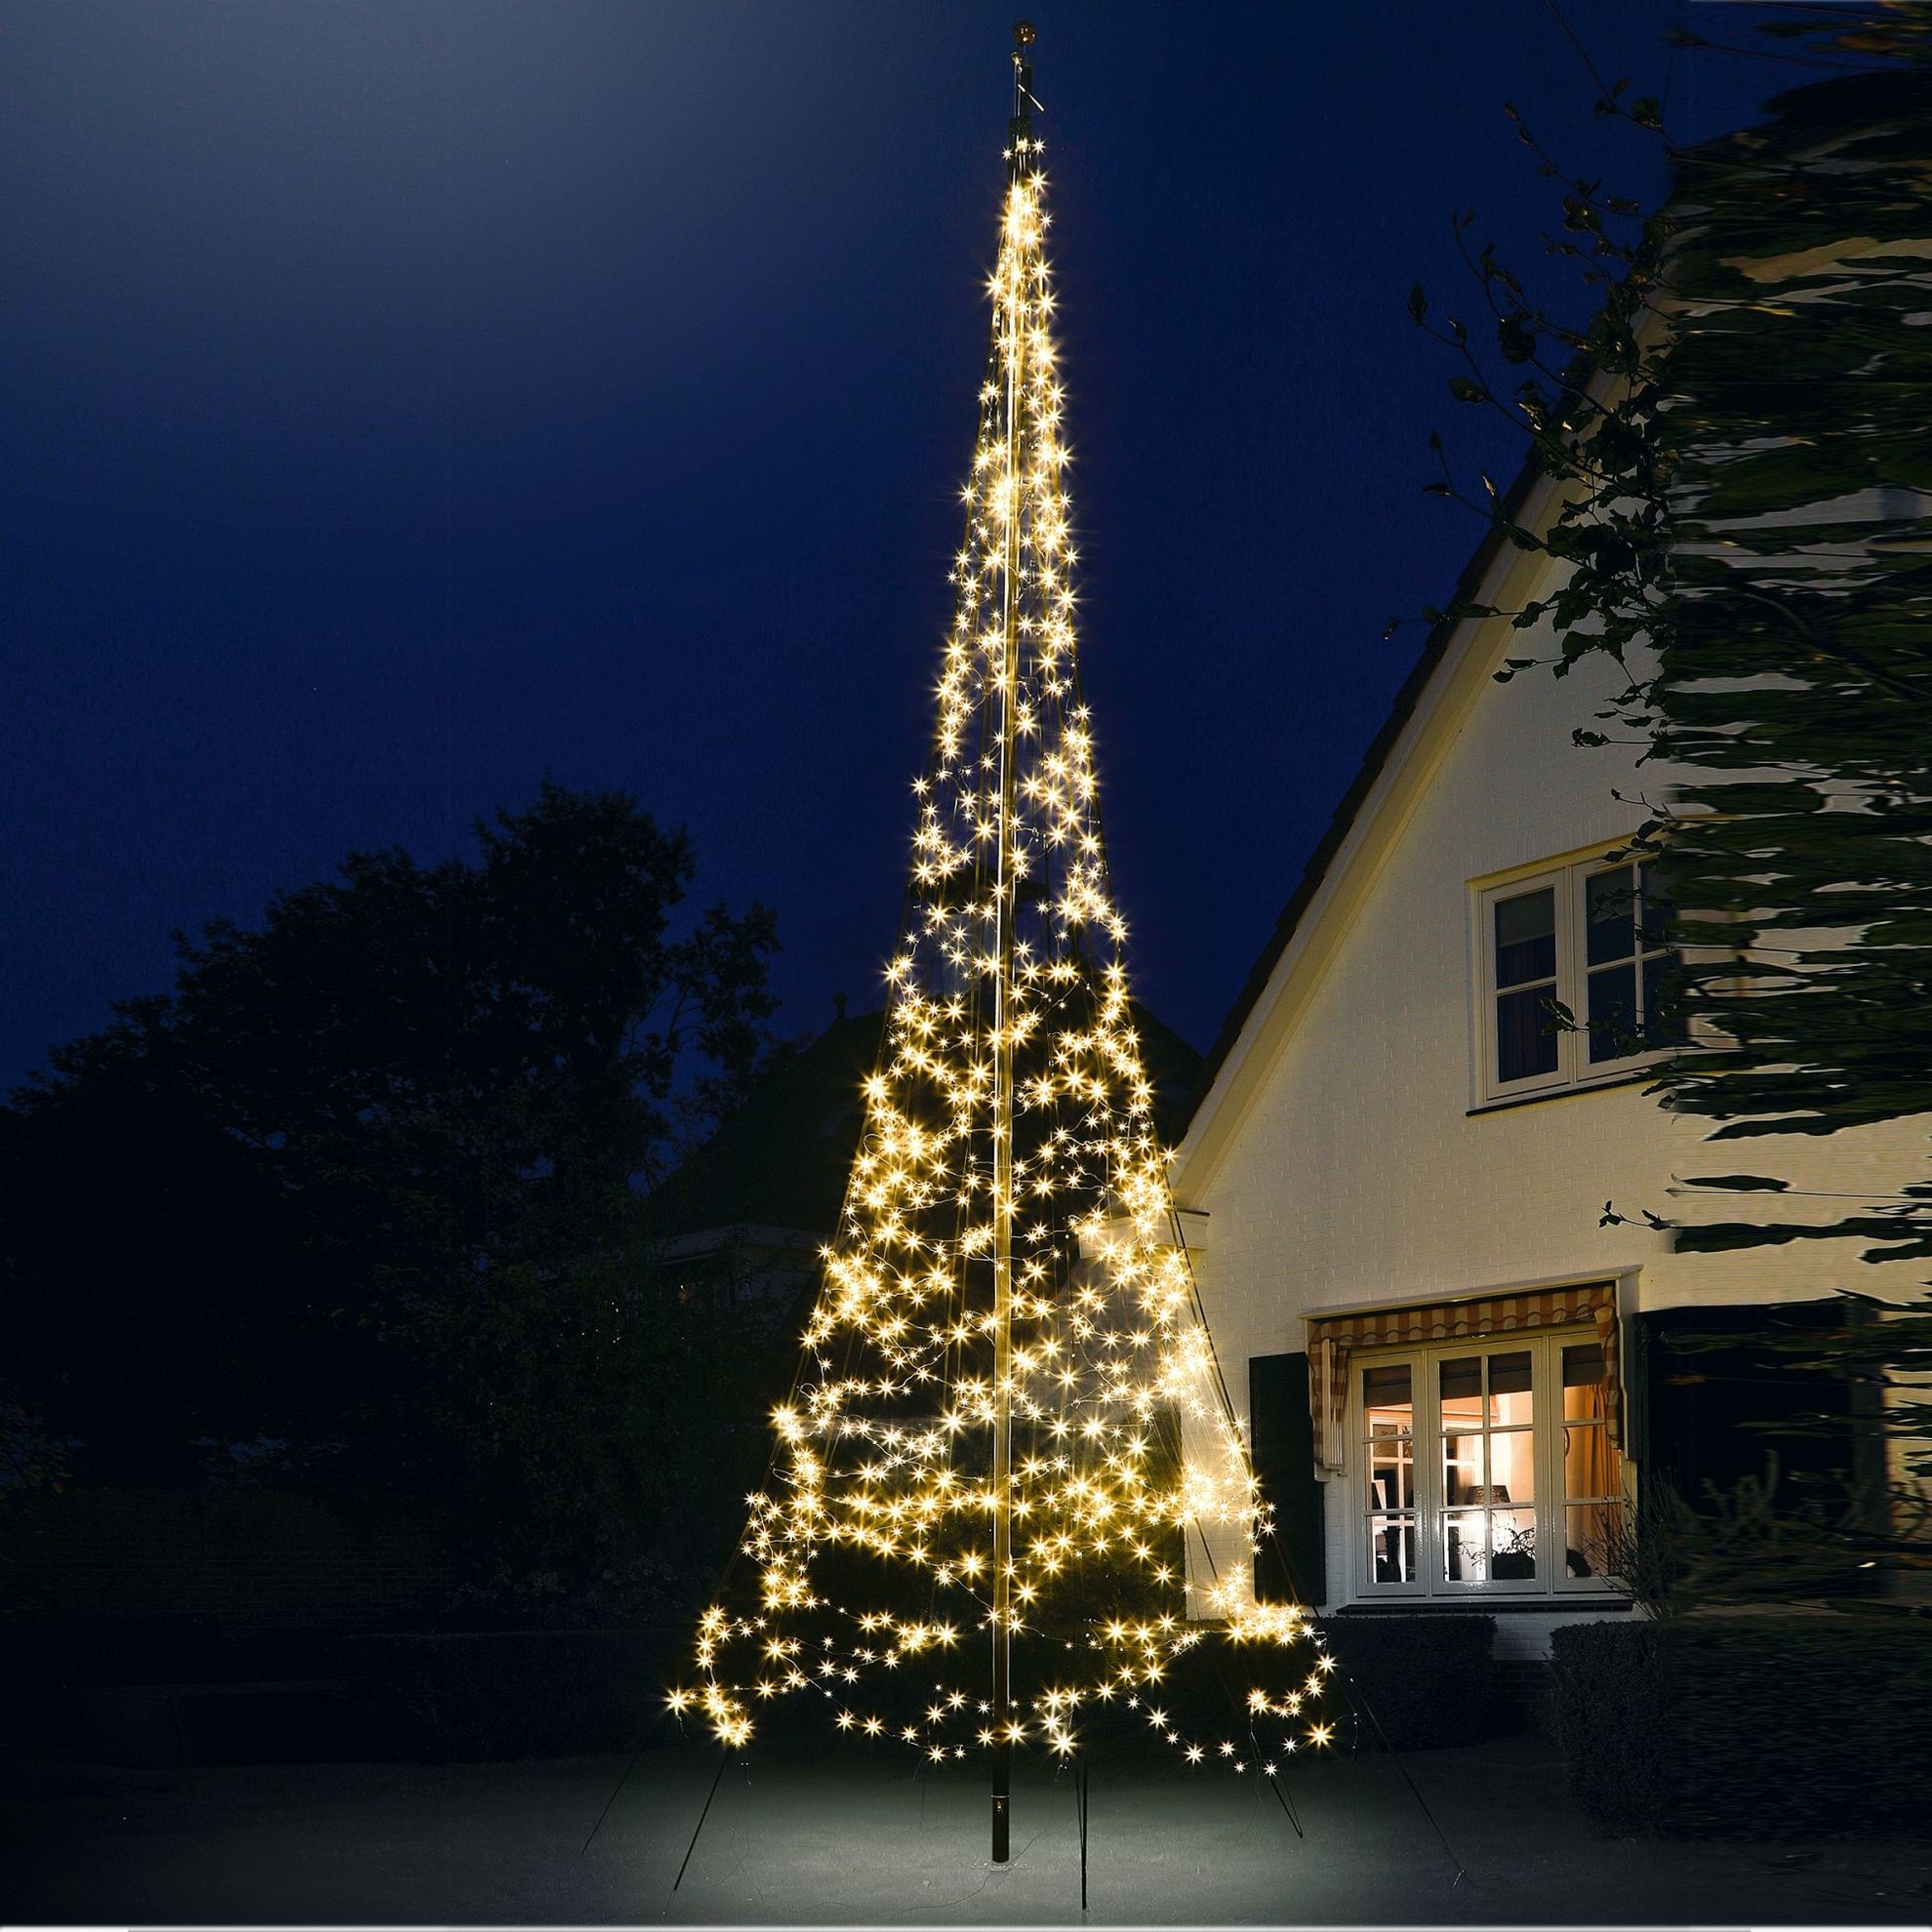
(1006, 1271)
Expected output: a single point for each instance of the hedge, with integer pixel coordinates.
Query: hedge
(1426, 1678)
(507, 1692)
(1749, 1726)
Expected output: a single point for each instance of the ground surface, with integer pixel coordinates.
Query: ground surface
(854, 1839)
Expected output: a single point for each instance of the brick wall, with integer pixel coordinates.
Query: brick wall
(256, 1559)
(1520, 1694)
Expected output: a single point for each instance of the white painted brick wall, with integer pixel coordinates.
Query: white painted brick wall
(1359, 1175)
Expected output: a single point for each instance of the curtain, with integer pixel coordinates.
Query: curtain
(1589, 1456)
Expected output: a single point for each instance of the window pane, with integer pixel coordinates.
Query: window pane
(1512, 1545)
(1459, 1382)
(1526, 938)
(1512, 1466)
(1461, 1385)
(1657, 907)
(1386, 1386)
(1392, 1549)
(1465, 1547)
(1462, 1468)
(1489, 1545)
(1663, 1001)
(1583, 1364)
(1590, 1532)
(1392, 1474)
(1585, 1398)
(1592, 1468)
(1613, 1013)
(1510, 1375)
(1389, 1413)
(1386, 1400)
(1509, 1390)
(1610, 922)
(1525, 1033)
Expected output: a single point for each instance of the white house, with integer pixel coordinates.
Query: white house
(1400, 1177)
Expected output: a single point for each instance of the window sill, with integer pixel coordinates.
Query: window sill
(1560, 1093)
(1487, 1606)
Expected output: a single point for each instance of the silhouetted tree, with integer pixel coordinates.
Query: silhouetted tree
(361, 1204)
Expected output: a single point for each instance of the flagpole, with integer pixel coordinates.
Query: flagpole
(1005, 888)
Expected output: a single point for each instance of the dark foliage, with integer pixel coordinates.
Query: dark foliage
(1749, 1727)
(359, 1207)
(1612, 1697)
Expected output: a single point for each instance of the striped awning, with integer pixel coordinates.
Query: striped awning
(1332, 1339)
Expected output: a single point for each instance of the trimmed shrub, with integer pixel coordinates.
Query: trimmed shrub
(1424, 1677)
(1749, 1726)
(505, 1693)
(1611, 1697)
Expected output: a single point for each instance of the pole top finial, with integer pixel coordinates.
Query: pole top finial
(1020, 128)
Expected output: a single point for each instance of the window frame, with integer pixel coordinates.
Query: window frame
(1548, 1430)
(1568, 878)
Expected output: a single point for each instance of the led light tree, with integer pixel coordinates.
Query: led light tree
(1010, 1494)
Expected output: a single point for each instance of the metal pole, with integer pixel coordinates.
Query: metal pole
(1080, 1791)
(700, 1825)
(1002, 1447)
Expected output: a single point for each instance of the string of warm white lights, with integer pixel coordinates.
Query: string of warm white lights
(1009, 1424)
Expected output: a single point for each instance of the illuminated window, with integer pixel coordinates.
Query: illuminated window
(1574, 985)
(1485, 1466)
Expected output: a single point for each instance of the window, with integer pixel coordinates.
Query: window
(1575, 986)
(1487, 1466)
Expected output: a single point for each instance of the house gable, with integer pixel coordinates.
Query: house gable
(1350, 1156)
(1452, 675)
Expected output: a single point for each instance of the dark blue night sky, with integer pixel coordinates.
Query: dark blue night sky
(406, 400)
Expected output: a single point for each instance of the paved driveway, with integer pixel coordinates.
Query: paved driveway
(859, 1839)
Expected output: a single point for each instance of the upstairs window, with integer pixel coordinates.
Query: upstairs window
(1575, 986)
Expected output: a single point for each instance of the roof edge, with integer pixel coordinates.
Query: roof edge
(1407, 701)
